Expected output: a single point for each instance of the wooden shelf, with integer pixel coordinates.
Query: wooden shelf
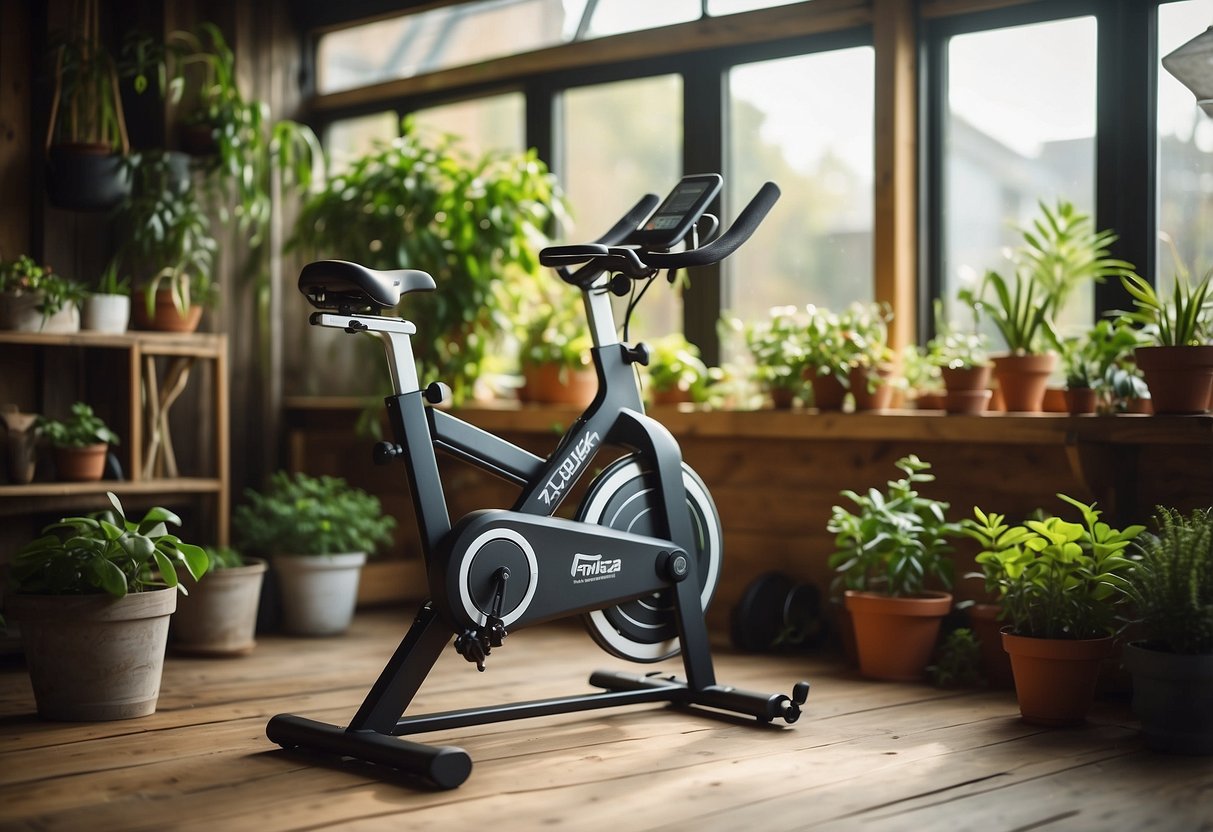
(177, 485)
(153, 343)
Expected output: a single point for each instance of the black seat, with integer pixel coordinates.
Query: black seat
(344, 286)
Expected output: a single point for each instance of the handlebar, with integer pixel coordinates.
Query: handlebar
(604, 255)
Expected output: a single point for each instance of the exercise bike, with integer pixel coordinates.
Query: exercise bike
(639, 562)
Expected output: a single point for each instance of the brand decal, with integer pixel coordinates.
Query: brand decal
(587, 568)
(553, 490)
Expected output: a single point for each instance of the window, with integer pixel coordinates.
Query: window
(613, 17)
(491, 123)
(351, 137)
(1019, 127)
(805, 123)
(722, 7)
(1185, 152)
(606, 169)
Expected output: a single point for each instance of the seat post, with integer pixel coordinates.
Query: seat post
(393, 332)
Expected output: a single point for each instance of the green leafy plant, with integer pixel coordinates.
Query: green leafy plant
(167, 234)
(1183, 319)
(918, 369)
(25, 276)
(897, 540)
(81, 429)
(956, 348)
(1088, 359)
(957, 661)
(835, 342)
(470, 221)
(111, 281)
(777, 346)
(1054, 578)
(675, 364)
(223, 557)
(552, 329)
(1019, 309)
(106, 552)
(1171, 582)
(86, 106)
(302, 515)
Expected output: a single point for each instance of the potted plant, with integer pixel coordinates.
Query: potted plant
(108, 307)
(318, 532)
(923, 380)
(554, 350)
(676, 372)
(1060, 252)
(168, 236)
(219, 615)
(1060, 585)
(1088, 362)
(964, 365)
(93, 597)
(777, 347)
(471, 222)
(80, 442)
(1178, 368)
(864, 329)
(35, 298)
(1171, 586)
(887, 553)
(86, 139)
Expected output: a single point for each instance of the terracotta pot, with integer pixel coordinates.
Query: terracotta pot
(85, 464)
(1081, 401)
(828, 392)
(995, 663)
(165, 317)
(671, 397)
(896, 636)
(781, 398)
(866, 397)
(1173, 697)
(1054, 400)
(967, 402)
(966, 378)
(1023, 379)
(219, 616)
(930, 401)
(1180, 378)
(94, 657)
(553, 384)
(1055, 677)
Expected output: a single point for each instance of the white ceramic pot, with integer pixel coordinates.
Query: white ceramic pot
(318, 591)
(19, 312)
(106, 313)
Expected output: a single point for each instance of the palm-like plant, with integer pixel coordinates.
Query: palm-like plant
(1178, 321)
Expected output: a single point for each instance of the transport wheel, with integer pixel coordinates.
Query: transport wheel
(622, 497)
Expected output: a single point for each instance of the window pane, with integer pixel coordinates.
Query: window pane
(805, 123)
(612, 17)
(720, 7)
(1185, 152)
(1020, 128)
(483, 124)
(352, 137)
(607, 169)
(401, 47)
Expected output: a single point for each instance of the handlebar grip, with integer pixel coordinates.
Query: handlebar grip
(746, 224)
(630, 221)
(571, 255)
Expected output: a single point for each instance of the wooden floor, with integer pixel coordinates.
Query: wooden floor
(865, 756)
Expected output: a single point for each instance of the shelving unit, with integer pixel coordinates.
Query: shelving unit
(135, 380)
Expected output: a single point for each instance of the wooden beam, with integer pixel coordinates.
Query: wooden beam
(14, 130)
(929, 9)
(778, 23)
(896, 169)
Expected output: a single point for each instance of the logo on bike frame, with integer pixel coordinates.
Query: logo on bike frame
(553, 490)
(588, 568)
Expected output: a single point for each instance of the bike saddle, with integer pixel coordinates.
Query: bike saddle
(344, 286)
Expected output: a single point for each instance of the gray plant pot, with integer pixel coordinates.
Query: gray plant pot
(1173, 697)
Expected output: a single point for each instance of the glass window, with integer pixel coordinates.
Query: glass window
(807, 124)
(453, 35)
(607, 169)
(1185, 153)
(612, 17)
(721, 7)
(495, 122)
(352, 137)
(1019, 128)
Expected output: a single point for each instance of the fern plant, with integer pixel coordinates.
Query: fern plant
(1171, 583)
